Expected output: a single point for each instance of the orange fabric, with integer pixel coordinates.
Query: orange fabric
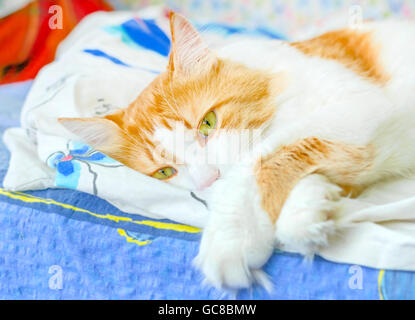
(27, 42)
(13, 32)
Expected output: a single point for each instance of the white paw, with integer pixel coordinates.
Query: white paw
(307, 219)
(231, 260)
(238, 240)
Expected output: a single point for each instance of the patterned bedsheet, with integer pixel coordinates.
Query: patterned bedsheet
(294, 18)
(64, 244)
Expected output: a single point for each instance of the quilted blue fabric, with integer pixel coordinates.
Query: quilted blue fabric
(64, 244)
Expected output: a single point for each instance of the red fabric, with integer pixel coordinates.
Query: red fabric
(27, 42)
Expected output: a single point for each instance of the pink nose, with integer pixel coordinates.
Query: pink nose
(210, 180)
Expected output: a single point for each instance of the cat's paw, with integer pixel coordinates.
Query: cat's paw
(222, 264)
(234, 248)
(308, 217)
(228, 261)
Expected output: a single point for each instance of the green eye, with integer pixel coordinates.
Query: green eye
(208, 124)
(164, 173)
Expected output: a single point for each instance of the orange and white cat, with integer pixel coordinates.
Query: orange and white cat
(336, 114)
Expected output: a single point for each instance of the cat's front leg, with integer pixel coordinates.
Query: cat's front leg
(298, 188)
(239, 237)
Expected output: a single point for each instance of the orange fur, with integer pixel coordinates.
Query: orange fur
(354, 49)
(278, 173)
(241, 98)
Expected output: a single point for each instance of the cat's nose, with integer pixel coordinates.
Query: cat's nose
(208, 178)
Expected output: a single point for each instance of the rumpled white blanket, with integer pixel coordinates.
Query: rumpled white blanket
(380, 230)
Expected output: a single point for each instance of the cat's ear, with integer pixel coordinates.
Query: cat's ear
(100, 133)
(188, 51)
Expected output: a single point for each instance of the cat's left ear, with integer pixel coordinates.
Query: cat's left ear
(100, 133)
(188, 52)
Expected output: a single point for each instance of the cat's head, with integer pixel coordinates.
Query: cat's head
(182, 127)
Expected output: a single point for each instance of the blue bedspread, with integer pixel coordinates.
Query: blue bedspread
(63, 244)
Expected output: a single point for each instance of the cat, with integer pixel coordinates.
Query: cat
(335, 114)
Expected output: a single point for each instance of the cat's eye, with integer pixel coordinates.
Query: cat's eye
(208, 124)
(164, 173)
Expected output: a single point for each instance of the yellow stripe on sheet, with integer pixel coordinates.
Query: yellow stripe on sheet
(154, 224)
(130, 239)
(380, 281)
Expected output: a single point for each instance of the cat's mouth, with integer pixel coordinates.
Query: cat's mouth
(194, 196)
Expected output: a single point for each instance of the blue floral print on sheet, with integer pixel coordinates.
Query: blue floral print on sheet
(70, 164)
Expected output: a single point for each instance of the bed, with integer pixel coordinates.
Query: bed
(66, 244)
